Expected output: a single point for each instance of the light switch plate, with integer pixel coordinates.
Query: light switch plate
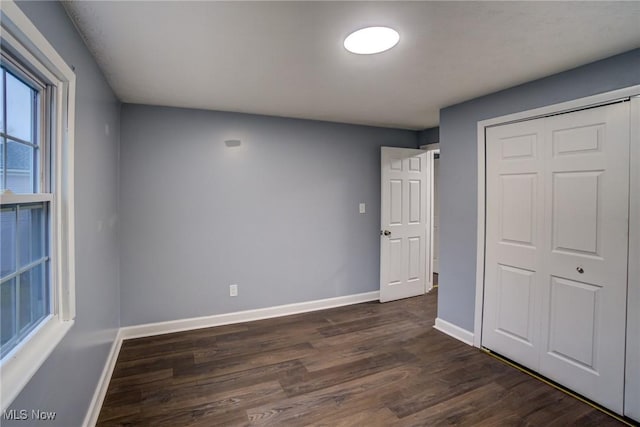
(363, 208)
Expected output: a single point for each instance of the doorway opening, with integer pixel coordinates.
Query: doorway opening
(433, 168)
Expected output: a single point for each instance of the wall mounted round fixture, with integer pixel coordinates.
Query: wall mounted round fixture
(367, 41)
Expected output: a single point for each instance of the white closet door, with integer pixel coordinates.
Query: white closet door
(556, 248)
(585, 288)
(514, 240)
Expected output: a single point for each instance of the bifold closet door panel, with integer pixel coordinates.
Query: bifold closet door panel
(514, 242)
(585, 288)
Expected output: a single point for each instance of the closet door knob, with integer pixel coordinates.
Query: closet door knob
(580, 270)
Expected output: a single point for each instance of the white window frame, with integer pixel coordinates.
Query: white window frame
(19, 35)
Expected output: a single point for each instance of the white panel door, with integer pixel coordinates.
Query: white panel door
(514, 240)
(403, 235)
(583, 318)
(556, 248)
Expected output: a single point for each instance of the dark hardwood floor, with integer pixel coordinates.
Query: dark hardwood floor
(362, 365)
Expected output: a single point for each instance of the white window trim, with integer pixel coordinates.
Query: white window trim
(19, 366)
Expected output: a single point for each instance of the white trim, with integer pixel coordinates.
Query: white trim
(66, 196)
(8, 198)
(91, 418)
(480, 239)
(432, 150)
(36, 43)
(21, 364)
(24, 39)
(563, 107)
(431, 147)
(632, 371)
(454, 331)
(428, 282)
(170, 326)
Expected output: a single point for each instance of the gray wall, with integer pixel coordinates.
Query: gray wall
(277, 215)
(459, 156)
(429, 136)
(67, 380)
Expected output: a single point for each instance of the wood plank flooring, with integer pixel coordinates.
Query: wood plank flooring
(362, 365)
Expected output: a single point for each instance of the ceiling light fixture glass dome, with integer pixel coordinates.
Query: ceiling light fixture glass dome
(370, 40)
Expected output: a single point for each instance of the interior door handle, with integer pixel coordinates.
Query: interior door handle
(385, 233)
(580, 270)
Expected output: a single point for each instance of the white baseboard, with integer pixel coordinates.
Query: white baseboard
(454, 331)
(91, 418)
(159, 328)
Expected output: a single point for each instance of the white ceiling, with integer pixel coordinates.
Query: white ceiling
(287, 58)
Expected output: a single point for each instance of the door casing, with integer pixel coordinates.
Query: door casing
(632, 383)
(432, 150)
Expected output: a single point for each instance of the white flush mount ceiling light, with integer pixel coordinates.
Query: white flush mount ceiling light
(371, 40)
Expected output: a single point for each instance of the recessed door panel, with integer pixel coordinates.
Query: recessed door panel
(395, 261)
(415, 164)
(515, 308)
(415, 201)
(518, 213)
(395, 205)
(415, 258)
(572, 328)
(519, 146)
(576, 223)
(578, 140)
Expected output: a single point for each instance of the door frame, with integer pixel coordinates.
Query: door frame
(632, 379)
(432, 150)
(563, 107)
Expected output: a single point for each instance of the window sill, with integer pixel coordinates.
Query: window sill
(19, 366)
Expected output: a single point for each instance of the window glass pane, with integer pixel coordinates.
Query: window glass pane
(31, 233)
(33, 298)
(2, 101)
(7, 241)
(7, 312)
(19, 109)
(20, 168)
(24, 295)
(1, 164)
